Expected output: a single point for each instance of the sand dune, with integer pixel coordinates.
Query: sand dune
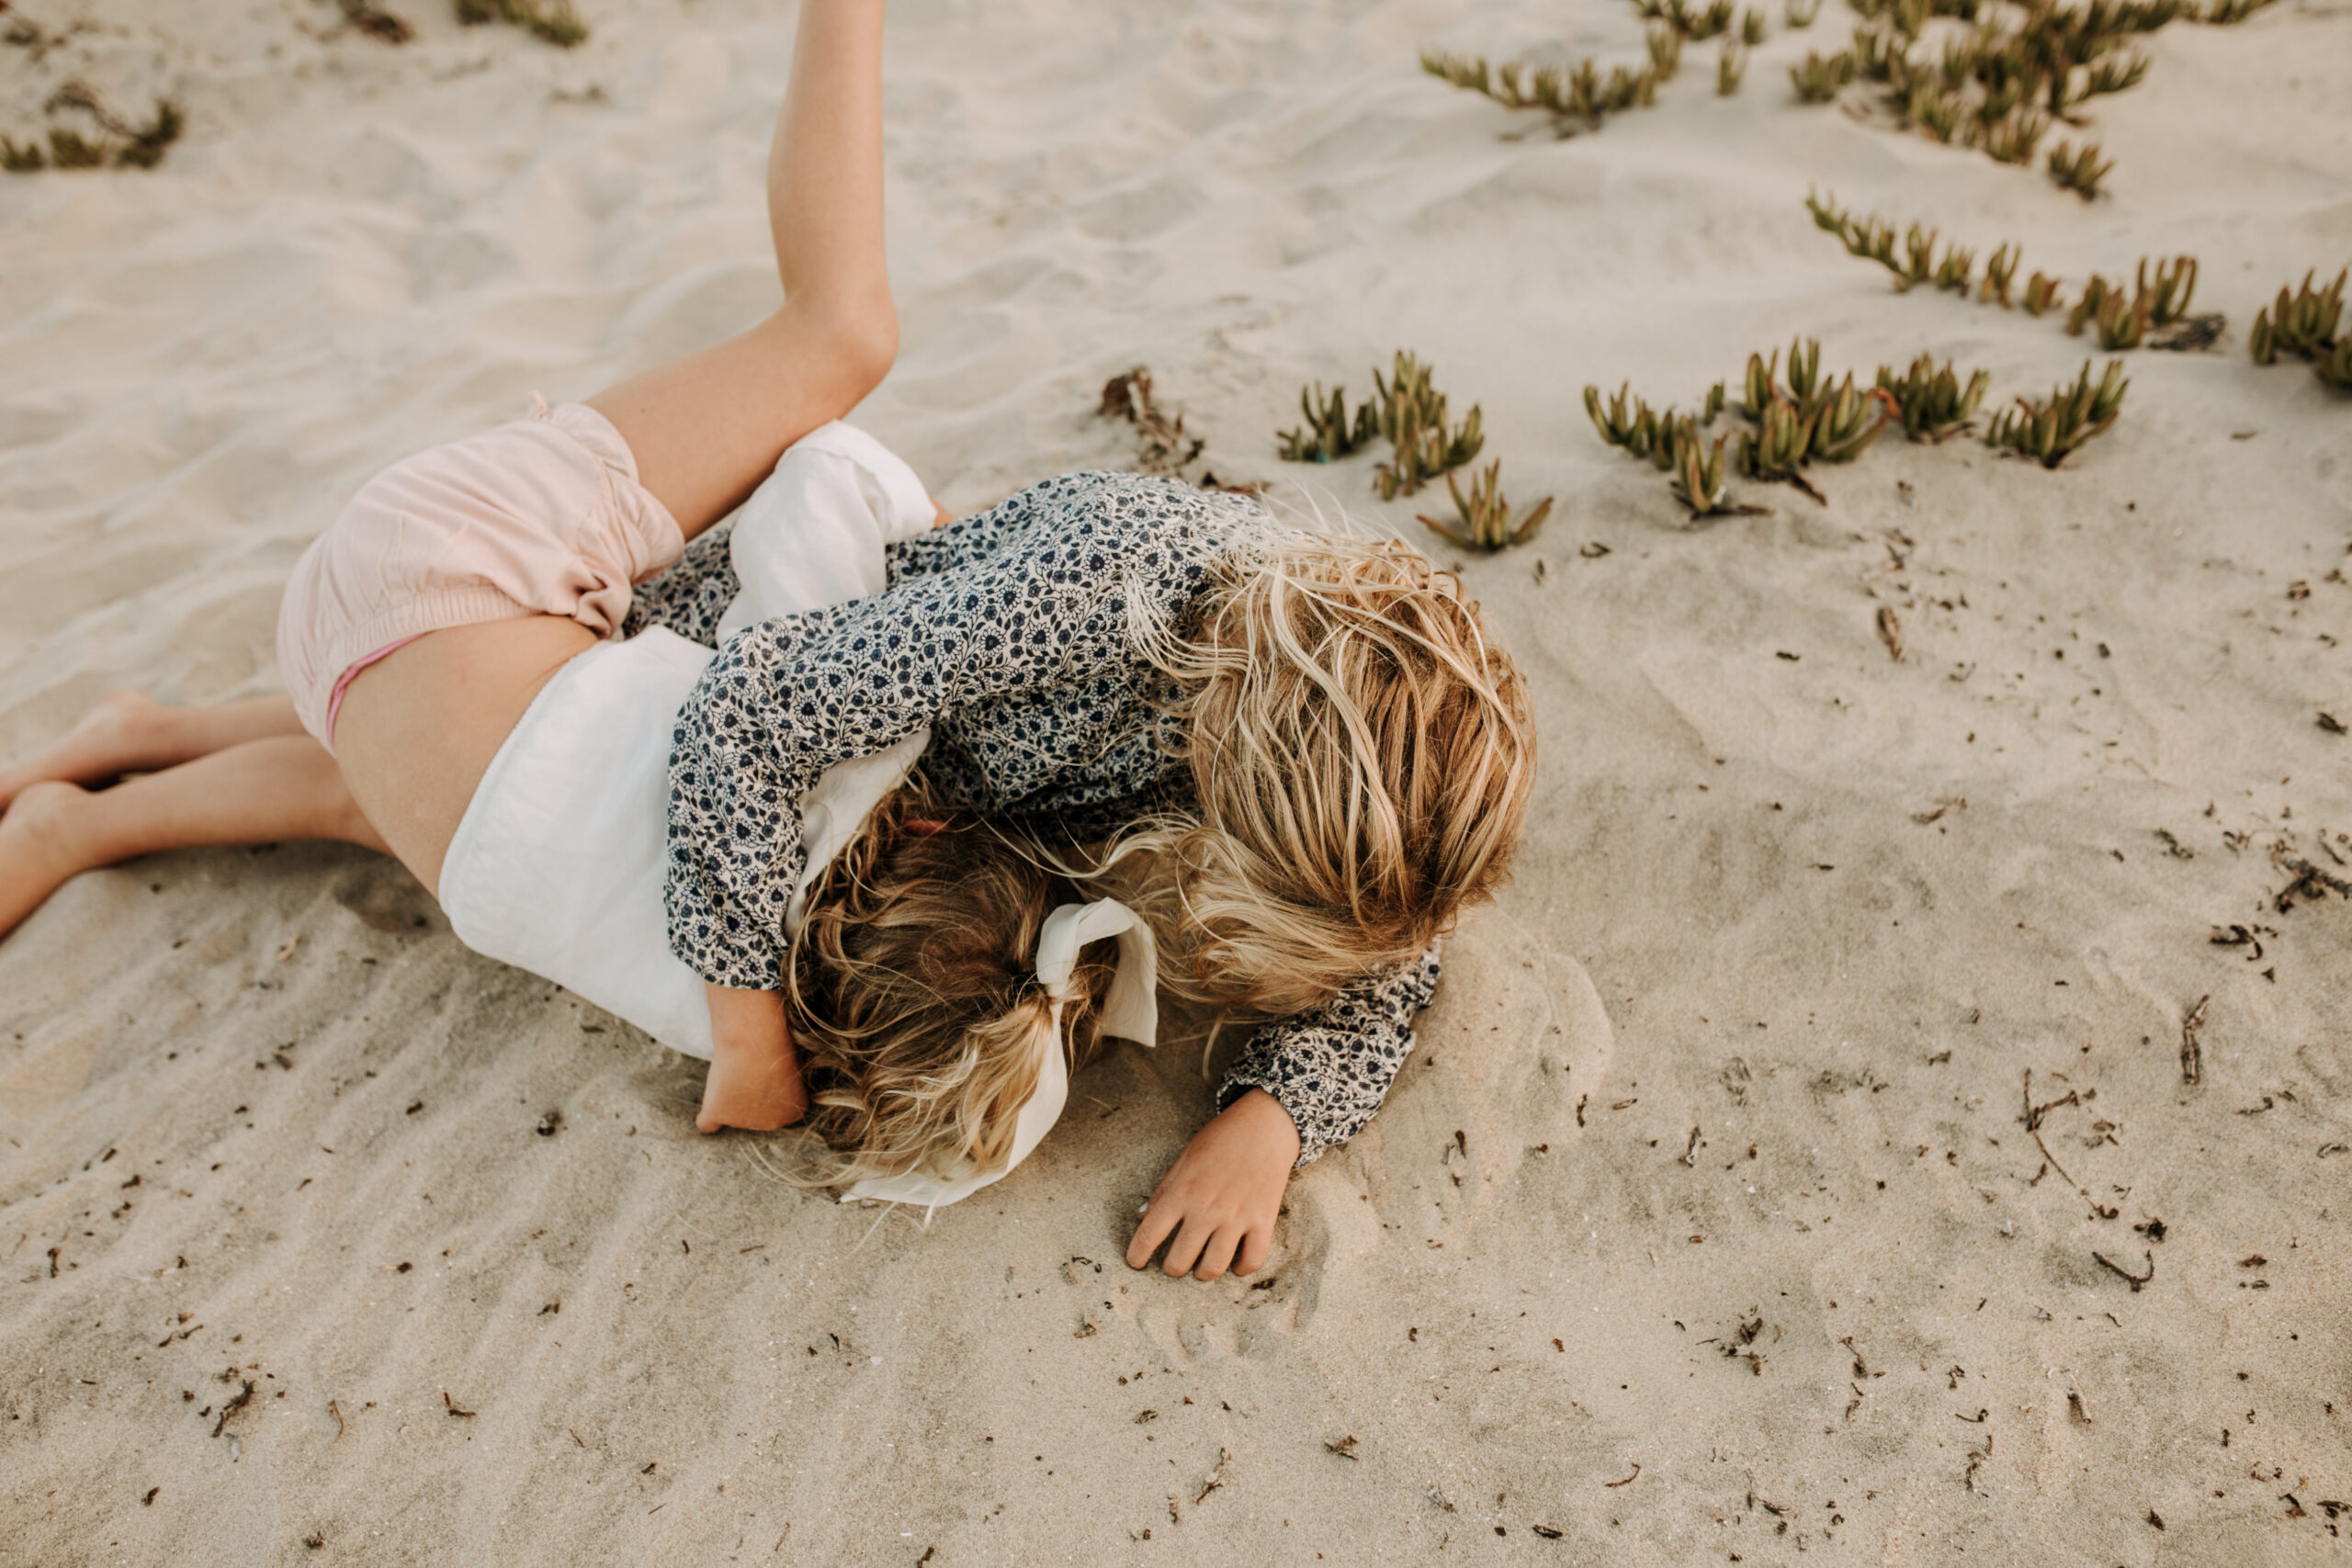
(266, 1123)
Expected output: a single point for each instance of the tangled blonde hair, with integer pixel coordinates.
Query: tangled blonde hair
(912, 996)
(1361, 756)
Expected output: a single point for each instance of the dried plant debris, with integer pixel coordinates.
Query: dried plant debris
(553, 21)
(2308, 322)
(2047, 431)
(121, 144)
(2078, 169)
(1161, 446)
(1485, 513)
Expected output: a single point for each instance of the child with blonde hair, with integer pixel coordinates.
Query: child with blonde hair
(1296, 755)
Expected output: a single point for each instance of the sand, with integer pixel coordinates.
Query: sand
(267, 1124)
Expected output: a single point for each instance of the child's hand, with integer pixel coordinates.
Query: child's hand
(1222, 1192)
(754, 1079)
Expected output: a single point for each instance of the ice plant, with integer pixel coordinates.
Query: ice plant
(1929, 401)
(2047, 431)
(1486, 521)
(2078, 170)
(1328, 433)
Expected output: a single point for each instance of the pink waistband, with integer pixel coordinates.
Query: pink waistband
(342, 681)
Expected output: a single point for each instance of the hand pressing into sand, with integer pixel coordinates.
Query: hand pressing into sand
(1222, 1192)
(754, 1079)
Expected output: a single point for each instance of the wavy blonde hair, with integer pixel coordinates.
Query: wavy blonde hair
(913, 996)
(1361, 756)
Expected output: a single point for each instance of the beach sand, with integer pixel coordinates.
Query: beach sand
(1704, 1225)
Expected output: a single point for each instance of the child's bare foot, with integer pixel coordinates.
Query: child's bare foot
(121, 730)
(39, 849)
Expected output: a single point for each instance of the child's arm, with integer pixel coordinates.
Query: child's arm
(754, 1079)
(1320, 1076)
(1223, 1193)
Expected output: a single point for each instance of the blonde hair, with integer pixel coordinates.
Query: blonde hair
(1361, 756)
(912, 996)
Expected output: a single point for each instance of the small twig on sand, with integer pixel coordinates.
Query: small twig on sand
(1216, 1480)
(1691, 1155)
(2192, 1060)
(2032, 1120)
(2135, 1280)
(245, 1397)
(1629, 1479)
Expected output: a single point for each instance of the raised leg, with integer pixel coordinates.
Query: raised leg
(707, 428)
(127, 733)
(256, 792)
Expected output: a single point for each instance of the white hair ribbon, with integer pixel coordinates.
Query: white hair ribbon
(1130, 1011)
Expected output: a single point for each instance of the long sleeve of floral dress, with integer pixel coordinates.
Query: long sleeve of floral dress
(1330, 1067)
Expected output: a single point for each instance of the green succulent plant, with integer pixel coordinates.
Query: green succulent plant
(1817, 81)
(2043, 295)
(1665, 51)
(1329, 433)
(1410, 414)
(1954, 271)
(1935, 112)
(2000, 270)
(2121, 324)
(122, 146)
(1801, 13)
(1730, 66)
(2078, 169)
(2086, 308)
(2048, 432)
(1929, 401)
(552, 21)
(1848, 420)
(2168, 296)
(2011, 138)
(1698, 481)
(1751, 28)
(1484, 520)
(2335, 367)
(2111, 76)
(2303, 322)
(1777, 447)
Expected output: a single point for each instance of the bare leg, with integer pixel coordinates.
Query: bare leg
(706, 429)
(127, 733)
(252, 793)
